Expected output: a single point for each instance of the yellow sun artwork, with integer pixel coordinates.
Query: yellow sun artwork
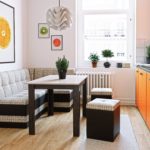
(5, 33)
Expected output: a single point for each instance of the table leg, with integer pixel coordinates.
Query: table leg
(84, 97)
(76, 112)
(31, 110)
(50, 102)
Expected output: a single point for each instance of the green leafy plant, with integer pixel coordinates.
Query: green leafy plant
(94, 57)
(148, 51)
(62, 64)
(107, 53)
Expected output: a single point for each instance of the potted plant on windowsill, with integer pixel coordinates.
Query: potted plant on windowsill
(62, 66)
(108, 54)
(148, 54)
(94, 58)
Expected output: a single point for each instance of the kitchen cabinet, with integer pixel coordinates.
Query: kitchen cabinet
(148, 100)
(137, 87)
(142, 93)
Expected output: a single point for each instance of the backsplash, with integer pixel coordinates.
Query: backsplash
(141, 50)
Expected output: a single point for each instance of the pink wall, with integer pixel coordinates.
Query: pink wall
(143, 19)
(39, 51)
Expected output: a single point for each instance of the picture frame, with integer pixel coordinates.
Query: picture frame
(7, 33)
(43, 30)
(56, 42)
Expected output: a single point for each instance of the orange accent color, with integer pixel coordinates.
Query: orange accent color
(56, 42)
(148, 100)
(5, 33)
(137, 87)
(142, 93)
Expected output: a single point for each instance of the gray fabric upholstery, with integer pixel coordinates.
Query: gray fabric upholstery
(13, 82)
(14, 98)
(41, 72)
(21, 98)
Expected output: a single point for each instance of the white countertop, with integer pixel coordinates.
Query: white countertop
(54, 80)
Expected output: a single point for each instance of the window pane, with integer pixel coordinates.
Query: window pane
(106, 32)
(105, 4)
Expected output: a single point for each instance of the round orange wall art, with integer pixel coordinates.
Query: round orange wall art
(57, 42)
(5, 33)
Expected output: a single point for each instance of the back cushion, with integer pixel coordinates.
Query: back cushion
(41, 72)
(12, 82)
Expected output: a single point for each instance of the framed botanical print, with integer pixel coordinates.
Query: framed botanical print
(7, 33)
(43, 30)
(56, 42)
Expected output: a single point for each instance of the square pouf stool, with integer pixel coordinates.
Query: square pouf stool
(63, 100)
(101, 93)
(103, 119)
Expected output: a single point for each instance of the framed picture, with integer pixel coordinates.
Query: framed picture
(7, 33)
(43, 30)
(56, 42)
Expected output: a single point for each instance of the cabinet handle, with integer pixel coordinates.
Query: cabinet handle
(141, 73)
(137, 71)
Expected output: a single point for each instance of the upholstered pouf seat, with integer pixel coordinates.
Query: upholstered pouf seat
(101, 93)
(63, 100)
(103, 119)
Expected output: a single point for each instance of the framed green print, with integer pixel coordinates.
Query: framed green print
(43, 30)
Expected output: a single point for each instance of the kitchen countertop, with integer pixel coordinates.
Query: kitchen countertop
(145, 67)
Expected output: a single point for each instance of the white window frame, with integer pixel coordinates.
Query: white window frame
(131, 16)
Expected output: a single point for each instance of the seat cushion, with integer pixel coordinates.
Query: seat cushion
(101, 91)
(21, 98)
(63, 91)
(103, 104)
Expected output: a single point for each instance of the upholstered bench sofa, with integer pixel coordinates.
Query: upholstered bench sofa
(14, 96)
(14, 99)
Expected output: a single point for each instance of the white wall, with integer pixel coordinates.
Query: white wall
(123, 83)
(39, 52)
(20, 34)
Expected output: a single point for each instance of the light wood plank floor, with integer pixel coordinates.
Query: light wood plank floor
(55, 133)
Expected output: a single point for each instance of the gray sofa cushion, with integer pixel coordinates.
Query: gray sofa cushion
(13, 82)
(21, 98)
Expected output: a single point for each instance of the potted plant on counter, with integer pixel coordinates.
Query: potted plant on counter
(108, 54)
(148, 54)
(62, 65)
(94, 58)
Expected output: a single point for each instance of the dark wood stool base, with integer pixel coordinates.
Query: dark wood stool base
(103, 125)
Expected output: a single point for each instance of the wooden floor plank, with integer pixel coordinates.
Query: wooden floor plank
(55, 133)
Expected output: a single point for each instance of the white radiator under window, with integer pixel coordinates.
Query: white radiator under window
(97, 79)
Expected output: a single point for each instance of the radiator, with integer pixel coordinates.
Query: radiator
(97, 80)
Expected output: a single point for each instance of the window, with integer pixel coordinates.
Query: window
(105, 24)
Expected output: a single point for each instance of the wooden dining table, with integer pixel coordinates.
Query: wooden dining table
(51, 82)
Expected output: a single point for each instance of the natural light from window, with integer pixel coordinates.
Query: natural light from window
(105, 4)
(106, 31)
(105, 24)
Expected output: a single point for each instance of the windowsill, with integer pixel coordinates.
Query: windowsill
(100, 65)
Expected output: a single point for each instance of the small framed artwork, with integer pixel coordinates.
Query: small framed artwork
(56, 42)
(7, 33)
(43, 30)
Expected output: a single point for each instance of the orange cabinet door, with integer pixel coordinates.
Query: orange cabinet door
(139, 91)
(142, 93)
(137, 88)
(148, 100)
